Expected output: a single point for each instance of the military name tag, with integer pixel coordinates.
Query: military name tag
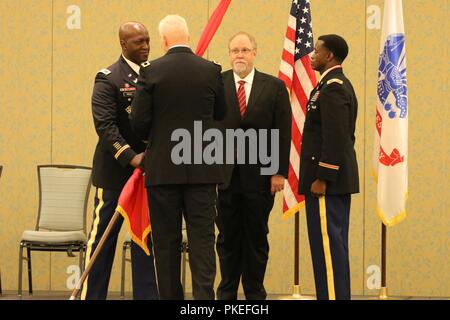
(127, 90)
(128, 93)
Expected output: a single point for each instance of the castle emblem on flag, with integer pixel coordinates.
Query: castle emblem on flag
(392, 88)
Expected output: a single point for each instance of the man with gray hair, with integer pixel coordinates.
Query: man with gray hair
(173, 92)
(255, 101)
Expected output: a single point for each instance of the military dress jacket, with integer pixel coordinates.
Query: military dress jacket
(112, 96)
(327, 150)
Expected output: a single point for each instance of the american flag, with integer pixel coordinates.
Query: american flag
(300, 79)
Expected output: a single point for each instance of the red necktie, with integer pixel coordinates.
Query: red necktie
(242, 98)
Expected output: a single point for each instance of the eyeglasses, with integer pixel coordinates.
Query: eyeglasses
(244, 51)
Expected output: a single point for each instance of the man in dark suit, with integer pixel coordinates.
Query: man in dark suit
(255, 101)
(328, 168)
(117, 153)
(175, 93)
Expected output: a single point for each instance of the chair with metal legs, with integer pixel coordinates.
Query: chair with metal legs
(184, 258)
(126, 246)
(61, 221)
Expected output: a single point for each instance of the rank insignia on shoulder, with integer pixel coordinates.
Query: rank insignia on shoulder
(105, 71)
(145, 64)
(335, 80)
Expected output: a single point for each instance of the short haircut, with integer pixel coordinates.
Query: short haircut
(337, 45)
(124, 29)
(249, 36)
(171, 23)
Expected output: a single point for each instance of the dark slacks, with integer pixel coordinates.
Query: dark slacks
(328, 226)
(143, 270)
(242, 243)
(167, 205)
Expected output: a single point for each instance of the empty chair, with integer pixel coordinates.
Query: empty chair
(61, 220)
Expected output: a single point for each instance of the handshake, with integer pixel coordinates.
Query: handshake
(138, 161)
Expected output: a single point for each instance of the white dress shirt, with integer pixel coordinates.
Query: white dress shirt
(328, 71)
(132, 65)
(179, 46)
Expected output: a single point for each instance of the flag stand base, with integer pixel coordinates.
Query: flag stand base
(296, 295)
(383, 295)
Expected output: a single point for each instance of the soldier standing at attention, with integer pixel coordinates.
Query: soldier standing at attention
(328, 168)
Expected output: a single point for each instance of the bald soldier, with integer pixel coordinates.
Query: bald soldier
(118, 152)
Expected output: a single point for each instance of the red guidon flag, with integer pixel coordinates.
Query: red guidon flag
(133, 206)
(212, 26)
(133, 203)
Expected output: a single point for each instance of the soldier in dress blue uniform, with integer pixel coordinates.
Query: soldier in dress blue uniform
(117, 153)
(328, 168)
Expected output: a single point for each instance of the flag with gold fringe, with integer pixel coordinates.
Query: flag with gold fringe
(391, 134)
(300, 79)
(133, 206)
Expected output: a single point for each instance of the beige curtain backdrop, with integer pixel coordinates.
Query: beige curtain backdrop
(47, 72)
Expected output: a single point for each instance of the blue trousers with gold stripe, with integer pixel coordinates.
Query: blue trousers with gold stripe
(143, 270)
(328, 224)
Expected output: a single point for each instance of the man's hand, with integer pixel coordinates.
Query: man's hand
(318, 188)
(138, 160)
(277, 184)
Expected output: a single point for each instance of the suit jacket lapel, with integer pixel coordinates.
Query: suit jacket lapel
(257, 89)
(230, 88)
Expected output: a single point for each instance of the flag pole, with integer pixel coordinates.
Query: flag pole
(383, 294)
(297, 253)
(383, 290)
(94, 256)
(296, 291)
